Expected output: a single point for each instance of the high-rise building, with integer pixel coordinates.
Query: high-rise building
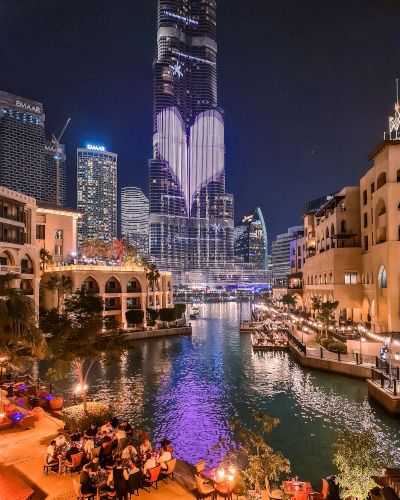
(27, 162)
(280, 255)
(250, 240)
(135, 218)
(191, 215)
(97, 194)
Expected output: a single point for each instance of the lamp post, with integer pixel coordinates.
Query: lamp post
(362, 339)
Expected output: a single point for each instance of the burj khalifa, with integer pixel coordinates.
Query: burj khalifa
(191, 215)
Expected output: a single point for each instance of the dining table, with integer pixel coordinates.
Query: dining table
(292, 487)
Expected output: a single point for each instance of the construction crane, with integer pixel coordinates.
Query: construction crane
(57, 142)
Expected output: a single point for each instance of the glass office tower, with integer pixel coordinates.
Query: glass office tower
(250, 240)
(97, 194)
(191, 215)
(135, 218)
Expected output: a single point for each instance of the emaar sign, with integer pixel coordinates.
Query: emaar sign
(96, 148)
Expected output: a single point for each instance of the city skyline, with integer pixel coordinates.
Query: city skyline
(261, 88)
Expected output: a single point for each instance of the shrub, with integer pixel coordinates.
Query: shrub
(181, 308)
(153, 314)
(134, 317)
(338, 346)
(327, 342)
(168, 314)
(319, 338)
(75, 416)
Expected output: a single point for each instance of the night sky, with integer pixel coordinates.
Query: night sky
(307, 88)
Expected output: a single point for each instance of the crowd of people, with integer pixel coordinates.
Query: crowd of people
(111, 452)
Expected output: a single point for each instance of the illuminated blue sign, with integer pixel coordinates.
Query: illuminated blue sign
(176, 69)
(96, 148)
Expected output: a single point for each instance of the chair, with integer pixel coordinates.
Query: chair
(200, 466)
(78, 492)
(169, 472)
(301, 496)
(106, 448)
(95, 452)
(48, 465)
(274, 494)
(154, 475)
(324, 493)
(75, 464)
(24, 423)
(56, 403)
(203, 490)
(135, 483)
(38, 413)
(9, 409)
(224, 490)
(123, 443)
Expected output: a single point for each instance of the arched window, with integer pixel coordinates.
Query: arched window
(327, 233)
(398, 176)
(398, 206)
(382, 281)
(363, 279)
(342, 226)
(381, 180)
(367, 279)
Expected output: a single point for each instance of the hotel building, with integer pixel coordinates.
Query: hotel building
(97, 194)
(250, 240)
(135, 218)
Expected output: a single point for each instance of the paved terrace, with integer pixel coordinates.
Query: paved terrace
(22, 451)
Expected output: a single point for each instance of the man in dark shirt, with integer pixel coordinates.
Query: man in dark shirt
(72, 451)
(127, 428)
(86, 482)
(91, 432)
(76, 436)
(94, 465)
(105, 438)
(109, 461)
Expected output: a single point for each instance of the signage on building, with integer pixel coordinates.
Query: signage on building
(96, 148)
(28, 107)
(52, 149)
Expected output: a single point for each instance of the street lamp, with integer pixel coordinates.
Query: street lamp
(305, 329)
(362, 339)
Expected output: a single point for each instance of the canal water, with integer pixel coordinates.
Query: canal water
(188, 388)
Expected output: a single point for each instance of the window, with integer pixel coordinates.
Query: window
(342, 209)
(299, 251)
(372, 189)
(342, 226)
(365, 197)
(320, 279)
(299, 263)
(24, 263)
(398, 206)
(40, 231)
(367, 279)
(311, 280)
(365, 220)
(3, 261)
(331, 279)
(372, 216)
(292, 264)
(366, 242)
(398, 232)
(350, 278)
(381, 180)
(57, 250)
(58, 234)
(398, 176)
(372, 278)
(110, 284)
(382, 277)
(308, 280)
(325, 279)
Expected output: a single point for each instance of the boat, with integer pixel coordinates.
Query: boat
(194, 313)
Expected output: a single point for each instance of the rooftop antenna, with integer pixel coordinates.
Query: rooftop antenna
(397, 91)
(57, 142)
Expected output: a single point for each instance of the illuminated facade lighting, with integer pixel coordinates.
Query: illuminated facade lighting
(250, 240)
(135, 218)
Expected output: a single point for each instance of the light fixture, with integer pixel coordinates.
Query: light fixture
(363, 339)
(221, 471)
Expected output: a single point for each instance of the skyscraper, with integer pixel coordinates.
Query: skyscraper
(135, 218)
(97, 194)
(250, 240)
(280, 255)
(27, 161)
(191, 215)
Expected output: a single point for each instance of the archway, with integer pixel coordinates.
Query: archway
(133, 285)
(6, 259)
(381, 180)
(90, 284)
(112, 285)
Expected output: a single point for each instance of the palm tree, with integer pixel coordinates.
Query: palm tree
(153, 273)
(120, 248)
(60, 284)
(289, 300)
(45, 259)
(20, 337)
(130, 258)
(93, 248)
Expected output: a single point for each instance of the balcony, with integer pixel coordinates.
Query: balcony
(15, 241)
(27, 291)
(15, 217)
(26, 270)
(133, 306)
(131, 289)
(112, 290)
(115, 307)
(10, 269)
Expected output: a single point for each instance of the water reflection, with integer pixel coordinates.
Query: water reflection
(188, 388)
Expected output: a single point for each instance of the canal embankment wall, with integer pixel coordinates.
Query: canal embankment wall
(384, 398)
(148, 334)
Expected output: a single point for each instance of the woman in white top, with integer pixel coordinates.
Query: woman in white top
(164, 457)
(121, 434)
(60, 440)
(89, 445)
(108, 428)
(150, 464)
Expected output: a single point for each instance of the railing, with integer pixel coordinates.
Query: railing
(26, 270)
(27, 291)
(112, 308)
(10, 269)
(389, 370)
(354, 358)
(15, 217)
(386, 382)
(112, 290)
(16, 241)
(133, 306)
(300, 346)
(132, 290)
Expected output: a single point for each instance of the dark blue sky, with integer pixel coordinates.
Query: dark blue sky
(307, 87)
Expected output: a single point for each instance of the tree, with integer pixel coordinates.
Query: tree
(94, 248)
(120, 248)
(315, 304)
(60, 284)
(358, 457)
(262, 460)
(153, 274)
(134, 317)
(180, 308)
(130, 257)
(152, 314)
(288, 300)
(266, 298)
(83, 337)
(168, 314)
(20, 338)
(45, 259)
(326, 314)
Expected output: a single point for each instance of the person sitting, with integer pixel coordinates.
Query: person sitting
(108, 428)
(88, 446)
(150, 464)
(121, 434)
(86, 483)
(164, 457)
(51, 453)
(72, 451)
(129, 453)
(91, 432)
(127, 427)
(117, 479)
(114, 422)
(105, 438)
(76, 436)
(60, 440)
(109, 461)
(94, 465)
(145, 446)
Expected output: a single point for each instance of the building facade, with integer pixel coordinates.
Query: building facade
(250, 240)
(280, 256)
(27, 160)
(97, 194)
(135, 218)
(191, 215)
